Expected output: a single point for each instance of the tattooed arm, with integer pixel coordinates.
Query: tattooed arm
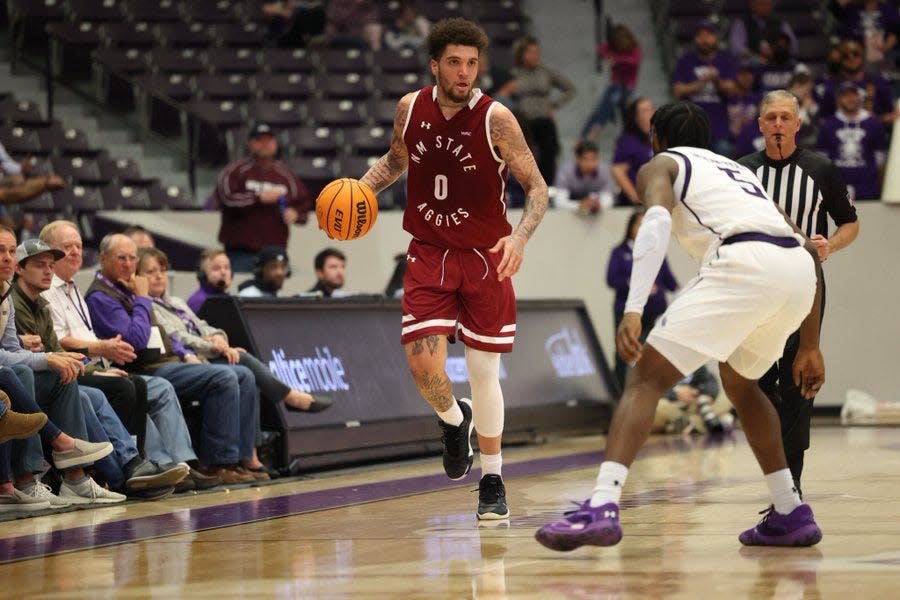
(390, 166)
(507, 138)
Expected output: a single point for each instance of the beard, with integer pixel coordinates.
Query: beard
(221, 285)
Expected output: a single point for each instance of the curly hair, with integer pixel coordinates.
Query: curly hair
(682, 123)
(457, 31)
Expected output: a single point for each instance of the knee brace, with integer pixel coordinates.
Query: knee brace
(487, 397)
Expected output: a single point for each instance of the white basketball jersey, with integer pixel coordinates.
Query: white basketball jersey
(717, 198)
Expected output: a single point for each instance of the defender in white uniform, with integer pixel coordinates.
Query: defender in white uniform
(759, 280)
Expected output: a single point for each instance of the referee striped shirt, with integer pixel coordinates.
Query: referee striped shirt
(807, 186)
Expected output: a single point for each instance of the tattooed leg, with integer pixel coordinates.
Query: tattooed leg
(427, 358)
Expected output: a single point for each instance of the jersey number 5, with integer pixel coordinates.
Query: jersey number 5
(748, 186)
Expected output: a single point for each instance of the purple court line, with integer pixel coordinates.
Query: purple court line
(212, 517)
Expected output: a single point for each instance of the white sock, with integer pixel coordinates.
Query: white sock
(453, 416)
(610, 481)
(491, 463)
(784, 495)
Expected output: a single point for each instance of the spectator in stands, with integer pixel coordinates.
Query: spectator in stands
(128, 471)
(14, 190)
(777, 72)
(632, 150)
(876, 23)
(409, 28)
(705, 76)
(293, 23)
(533, 87)
(743, 106)
(878, 99)
(48, 378)
(691, 406)
(584, 184)
(269, 272)
(329, 265)
(802, 87)
(618, 277)
(754, 36)
(11, 170)
(259, 198)
(119, 303)
(210, 343)
(140, 236)
(750, 139)
(353, 24)
(214, 275)
(167, 437)
(492, 79)
(69, 455)
(855, 141)
(623, 53)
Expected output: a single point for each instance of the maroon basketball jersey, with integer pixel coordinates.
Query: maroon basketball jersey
(456, 181)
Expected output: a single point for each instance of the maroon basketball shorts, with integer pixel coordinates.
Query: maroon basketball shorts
(456, 293)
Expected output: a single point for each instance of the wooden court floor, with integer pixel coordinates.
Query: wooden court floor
(405, 531)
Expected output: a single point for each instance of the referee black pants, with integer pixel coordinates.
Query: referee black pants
(794, 411)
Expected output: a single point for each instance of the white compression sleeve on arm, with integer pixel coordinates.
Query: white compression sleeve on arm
(650, 248)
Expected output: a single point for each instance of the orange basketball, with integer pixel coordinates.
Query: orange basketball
(346, 209)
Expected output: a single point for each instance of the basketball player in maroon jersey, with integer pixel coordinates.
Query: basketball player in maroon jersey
(458, 146)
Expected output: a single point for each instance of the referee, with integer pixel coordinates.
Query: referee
(807, 186)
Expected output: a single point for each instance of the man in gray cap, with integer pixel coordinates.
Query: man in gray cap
(125, 469)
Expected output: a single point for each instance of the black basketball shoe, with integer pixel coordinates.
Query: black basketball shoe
(492, 498)
(457, 442)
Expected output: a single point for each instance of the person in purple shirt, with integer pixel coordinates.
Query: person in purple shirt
(777, 73)
(632, 150)
(743, 106)
(749, 140)
(879, 98)
(856, 142)
(618, 277)
(119, 303)
(214, 275)
(875, 21)
(705, 76)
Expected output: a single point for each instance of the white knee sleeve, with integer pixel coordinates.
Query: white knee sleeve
(487, 397)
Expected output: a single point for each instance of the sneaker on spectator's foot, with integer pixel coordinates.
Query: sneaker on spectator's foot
(457, 442)
(798, 528)
(18, 426)
(41, 491)
(586, 526)
(83, 454)
(149, 475)
(710, 419)
(492, 498)
(20, 501)
(88, 492)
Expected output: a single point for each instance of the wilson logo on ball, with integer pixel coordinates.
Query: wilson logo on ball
(346, 209)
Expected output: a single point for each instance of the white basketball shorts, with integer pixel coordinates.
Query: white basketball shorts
(740, 309)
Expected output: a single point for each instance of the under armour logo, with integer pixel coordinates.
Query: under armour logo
(410, 258)
(609, 514)
(425, 125)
